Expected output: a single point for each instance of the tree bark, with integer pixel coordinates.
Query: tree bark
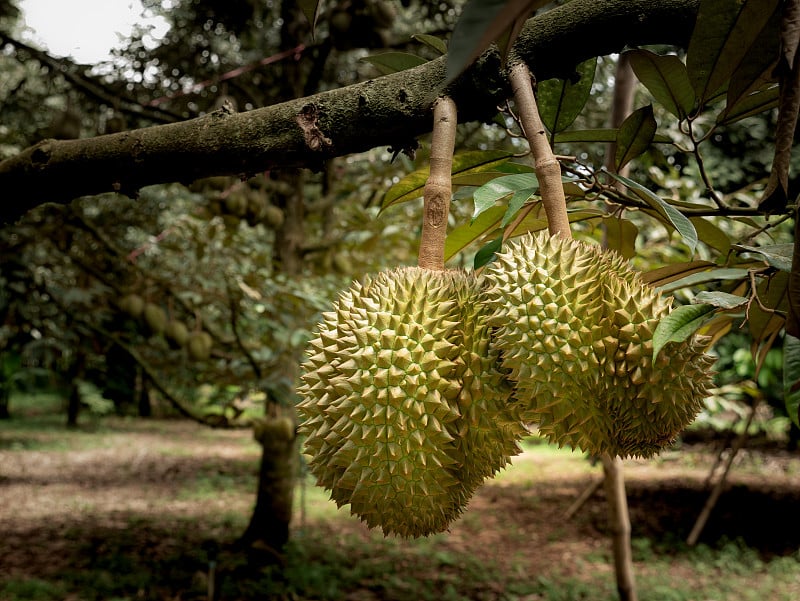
(272, 515)
(620, 523)
(305, 132)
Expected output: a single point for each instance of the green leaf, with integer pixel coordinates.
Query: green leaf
(702, 277)
(672, 215)
(310, 9)
(723, 34)
(621, 236)
(602, 134)
(670, 273)
(778, 256)
(392, 62)
(791, 377)
(758, 67)
(487, 195)
(635, 135)
(413, 184)
(721, 300)
(755, 103)
(681, 323)
(487, 253)
(515, 203)
(461, 237)
(560, 101)
(431, 41)
(482, 22)
(666, 79)
(711, 235)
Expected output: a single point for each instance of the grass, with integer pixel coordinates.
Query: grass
(105, 552)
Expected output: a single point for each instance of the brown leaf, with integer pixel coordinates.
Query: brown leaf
(776, 194)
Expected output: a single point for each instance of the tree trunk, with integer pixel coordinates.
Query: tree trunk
(269, 525)
(620, 523)
(5, 398)
(76, 373)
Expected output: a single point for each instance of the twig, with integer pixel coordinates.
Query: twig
(438, 188)
(548, 169)
(715, 494)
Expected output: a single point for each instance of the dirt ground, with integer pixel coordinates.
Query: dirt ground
(139, 491)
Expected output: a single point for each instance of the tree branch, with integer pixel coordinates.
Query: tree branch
(388, 111)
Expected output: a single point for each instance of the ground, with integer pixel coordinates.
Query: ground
(134, 509)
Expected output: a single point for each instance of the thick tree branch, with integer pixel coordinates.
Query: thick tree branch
(388, 111)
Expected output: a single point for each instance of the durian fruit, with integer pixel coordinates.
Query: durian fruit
(574, 327)
(132, 304)
(199, 345)
(402, 420)
(273, 216)
(176, 333)
(236, 203)
(155, 318)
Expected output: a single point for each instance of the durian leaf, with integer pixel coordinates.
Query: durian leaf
(393, 62)
(482, 22)
(681, 323)
(413, 184)
(791, 377)
(515, 203)
(311, 11)
(635, 135)
(755, 103)
(672, 215)
(621, 236)
(712, 275)
(535, 222)
(487, 195)
(773, 295)
(670, 273)
(723, 34)
(561, 101)
(758, 67)
(486, 254)
(603, 134)
(778, 256)
(717, 327)
(721, 300)
(666, 79)
(710, 234)
(461, 237)
(438, 44)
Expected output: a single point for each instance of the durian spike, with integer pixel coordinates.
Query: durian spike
(438, 188)
(548, 169)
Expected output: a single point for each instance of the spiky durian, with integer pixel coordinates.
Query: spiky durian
(574, 326)
(404, 412)
(155, 318)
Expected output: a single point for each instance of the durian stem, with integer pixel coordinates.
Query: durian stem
(438, 188)
(548, 169)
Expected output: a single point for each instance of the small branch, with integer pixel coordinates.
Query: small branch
(548, 169)
(438, 188)
(232, 305)
(715, 494)
(620, 527)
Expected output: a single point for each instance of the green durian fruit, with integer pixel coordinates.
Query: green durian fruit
(236, 203)
(273, 216)
(574, 327)
(176, 333)
(402, 420)
(199, 345)
(155, 318)
(132, 304)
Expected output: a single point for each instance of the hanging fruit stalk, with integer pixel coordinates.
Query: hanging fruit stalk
(438, 188)
(548, 170)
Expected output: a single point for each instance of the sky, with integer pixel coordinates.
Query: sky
(86, 30)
